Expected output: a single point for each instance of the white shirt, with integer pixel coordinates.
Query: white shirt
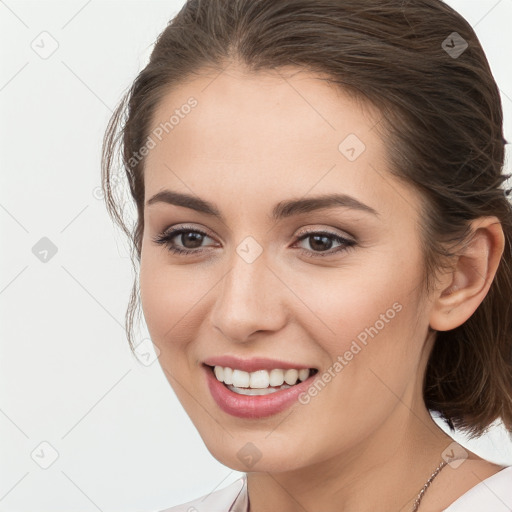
(494, 494)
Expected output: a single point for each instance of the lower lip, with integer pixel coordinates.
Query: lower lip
(258, 406)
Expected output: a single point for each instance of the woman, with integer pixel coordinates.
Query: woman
(324, 243)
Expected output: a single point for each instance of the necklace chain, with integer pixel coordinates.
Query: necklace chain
(418, 499)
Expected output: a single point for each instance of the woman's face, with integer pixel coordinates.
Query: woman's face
(255, 286)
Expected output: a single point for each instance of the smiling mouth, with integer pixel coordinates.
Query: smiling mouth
(260, 382)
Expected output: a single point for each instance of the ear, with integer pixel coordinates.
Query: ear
(462, 290)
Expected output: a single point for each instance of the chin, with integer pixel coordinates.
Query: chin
(248, 453)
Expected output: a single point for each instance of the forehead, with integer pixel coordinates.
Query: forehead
(268, 134)
(278, 109)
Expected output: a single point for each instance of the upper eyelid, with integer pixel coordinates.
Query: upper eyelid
(328, 231)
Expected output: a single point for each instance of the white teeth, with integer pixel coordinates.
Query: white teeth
(228, 376)
(303, 374)
(291, 376)
(260, 379)
(252, 392)
(276, 377)
(240, 379)
(219, 373)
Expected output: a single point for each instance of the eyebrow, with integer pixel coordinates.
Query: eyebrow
(281, 210)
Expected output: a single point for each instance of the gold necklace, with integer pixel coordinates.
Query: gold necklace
(418, 499)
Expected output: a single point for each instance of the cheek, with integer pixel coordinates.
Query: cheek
(374, 352)
(376, 304)
(172, 299)
(160, 297)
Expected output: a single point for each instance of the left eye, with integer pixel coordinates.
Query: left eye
(319, 240)
(191, 240)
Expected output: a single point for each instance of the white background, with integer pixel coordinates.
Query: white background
(67, 376)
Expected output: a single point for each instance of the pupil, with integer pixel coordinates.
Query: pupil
(321, 246)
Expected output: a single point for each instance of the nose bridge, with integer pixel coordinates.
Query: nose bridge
(249, 298)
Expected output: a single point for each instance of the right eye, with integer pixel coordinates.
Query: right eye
(187, 236)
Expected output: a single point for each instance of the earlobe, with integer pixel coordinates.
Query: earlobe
(464, 288)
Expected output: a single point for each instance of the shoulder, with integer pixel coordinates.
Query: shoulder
(221, 500)
(490, 493)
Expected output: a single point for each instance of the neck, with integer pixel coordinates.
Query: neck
(384, 472)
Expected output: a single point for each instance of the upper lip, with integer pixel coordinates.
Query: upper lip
(252, 364)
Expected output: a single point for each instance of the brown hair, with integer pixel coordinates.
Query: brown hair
(442, 120)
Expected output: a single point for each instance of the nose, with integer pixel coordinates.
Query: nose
(250, 299)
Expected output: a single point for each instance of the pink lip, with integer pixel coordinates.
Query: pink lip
(253, 407)
(253, 364)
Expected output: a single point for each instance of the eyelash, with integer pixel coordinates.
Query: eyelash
(166, 237)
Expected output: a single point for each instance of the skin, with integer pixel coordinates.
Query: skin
(252, 141)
